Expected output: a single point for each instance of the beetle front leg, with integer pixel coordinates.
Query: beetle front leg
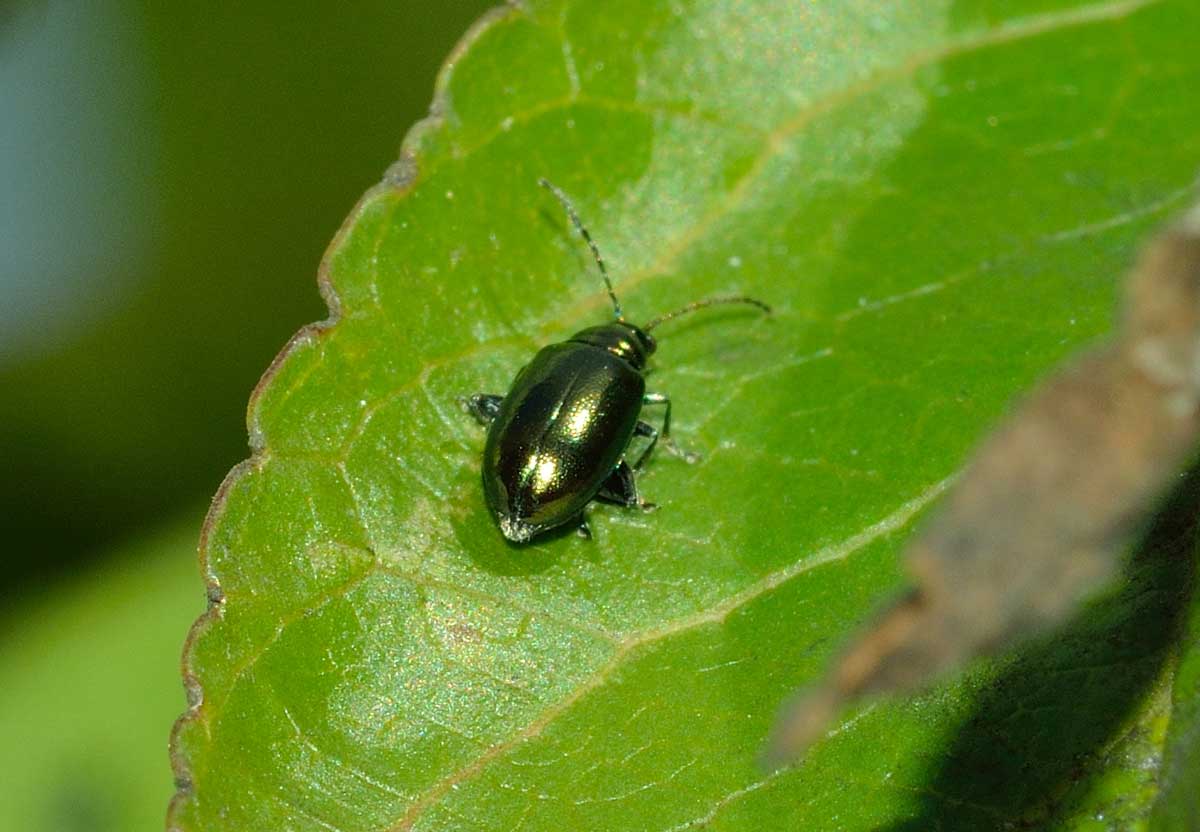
(668, 440)
(483, 406)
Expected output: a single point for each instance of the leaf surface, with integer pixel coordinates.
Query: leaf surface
(937, 199)
(1178, 804)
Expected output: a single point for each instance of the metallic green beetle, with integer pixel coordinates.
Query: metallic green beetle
(558, 440)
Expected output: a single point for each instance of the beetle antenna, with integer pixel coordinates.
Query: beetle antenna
(702, 304)
(566, 203)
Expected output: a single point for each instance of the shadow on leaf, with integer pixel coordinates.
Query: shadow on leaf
(1027, 753)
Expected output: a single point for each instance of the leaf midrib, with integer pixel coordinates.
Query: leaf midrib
(632, 643)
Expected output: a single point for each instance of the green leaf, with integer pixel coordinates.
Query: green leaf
(938, 200)
(1178, 806)
(89, 684)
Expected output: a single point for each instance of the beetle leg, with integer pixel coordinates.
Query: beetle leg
(668, 440)
(645, 429)
(621, 488)
(483, 406)
(584, 530)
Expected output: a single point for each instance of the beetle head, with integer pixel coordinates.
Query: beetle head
(515, 529)
(622, 339)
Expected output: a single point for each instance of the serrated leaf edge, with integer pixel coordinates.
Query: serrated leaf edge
(399, 179)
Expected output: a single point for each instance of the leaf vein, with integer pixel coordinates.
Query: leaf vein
(777, 140)
(632, 643)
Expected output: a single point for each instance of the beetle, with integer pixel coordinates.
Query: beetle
(558, 440)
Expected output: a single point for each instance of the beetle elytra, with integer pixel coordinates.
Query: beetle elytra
(558, 439)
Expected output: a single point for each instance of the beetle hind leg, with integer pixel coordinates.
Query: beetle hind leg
(483, 406)
(621, 488)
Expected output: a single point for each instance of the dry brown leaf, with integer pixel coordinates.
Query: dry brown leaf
(1051, 501)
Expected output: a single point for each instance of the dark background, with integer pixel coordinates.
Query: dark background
(170, 174)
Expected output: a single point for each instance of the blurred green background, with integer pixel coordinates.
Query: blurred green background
(170, 174)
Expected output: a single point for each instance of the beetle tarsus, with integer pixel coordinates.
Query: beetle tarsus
(673, 448)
